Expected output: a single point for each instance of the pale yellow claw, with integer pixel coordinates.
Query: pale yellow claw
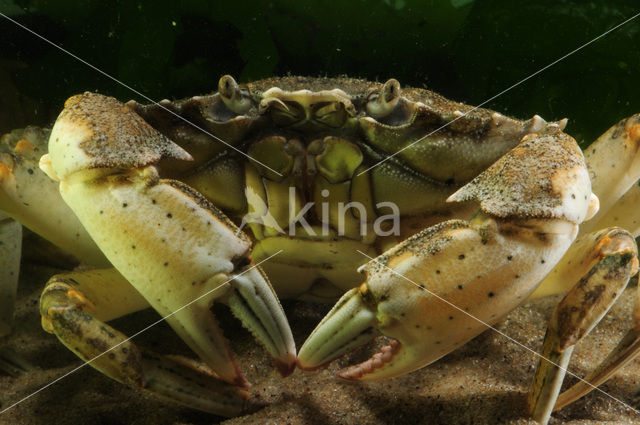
(137, 219)
(446, 284)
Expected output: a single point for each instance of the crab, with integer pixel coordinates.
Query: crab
(454, 214)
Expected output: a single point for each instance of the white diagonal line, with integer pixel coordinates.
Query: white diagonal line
(424, 287)
(136, 92)
(135, 335)
(503, 91)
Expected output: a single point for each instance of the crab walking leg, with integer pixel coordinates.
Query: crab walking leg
(75, 307)
(581, 309)
(587, 251)
(626, 350)
(10, 245)
(624, 213)
(446, 284)
(10, 248)
(179, 251)
(614, 169)
(33, 199)
(614, 166)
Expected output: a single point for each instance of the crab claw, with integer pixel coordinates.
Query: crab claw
(178, 250)
(254, 302)
(435, 291)
(351, 323)
(446, 284)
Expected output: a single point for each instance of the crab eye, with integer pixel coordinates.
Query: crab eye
(233, 96)
(384, 102)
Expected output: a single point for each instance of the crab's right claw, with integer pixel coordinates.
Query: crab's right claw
(117, 194)
(254, 302)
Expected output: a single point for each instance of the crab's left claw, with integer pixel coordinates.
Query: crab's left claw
(352, 322)
(434, 292)
(448, 283)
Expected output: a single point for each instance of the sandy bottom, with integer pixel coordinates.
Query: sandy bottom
(484, 382)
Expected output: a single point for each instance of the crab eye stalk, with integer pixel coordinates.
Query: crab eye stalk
(384, 103)
(232, 96)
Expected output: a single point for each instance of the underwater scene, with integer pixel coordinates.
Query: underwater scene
(296, 212)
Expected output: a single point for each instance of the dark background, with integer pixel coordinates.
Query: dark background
(467, 50)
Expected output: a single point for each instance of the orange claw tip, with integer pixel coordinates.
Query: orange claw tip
(244, 395)
(238, 380)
